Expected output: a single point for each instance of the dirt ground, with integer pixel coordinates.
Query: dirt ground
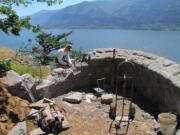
(84, 118)
(12, 110)
(7, 53)
(93, 119)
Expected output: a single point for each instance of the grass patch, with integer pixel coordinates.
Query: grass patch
(6, 53)
(34, 71)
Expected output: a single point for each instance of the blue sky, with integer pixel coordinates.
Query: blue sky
(35, 7)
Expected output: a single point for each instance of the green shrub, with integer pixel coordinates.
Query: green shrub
(4, 65)
(77, 54)
(23, 69)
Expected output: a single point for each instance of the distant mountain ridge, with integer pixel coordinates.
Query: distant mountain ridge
(128, 14)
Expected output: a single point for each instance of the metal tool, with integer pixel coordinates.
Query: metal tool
(101, 85)
(127, 75)
(99, 81)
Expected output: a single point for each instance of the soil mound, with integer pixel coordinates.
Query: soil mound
(12, 110)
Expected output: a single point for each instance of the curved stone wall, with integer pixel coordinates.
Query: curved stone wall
(157, 78)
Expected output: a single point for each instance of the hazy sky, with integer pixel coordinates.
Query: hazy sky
(35, 7)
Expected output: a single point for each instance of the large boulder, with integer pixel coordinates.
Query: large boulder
(11, 79)
(16, 84)
(13, 83)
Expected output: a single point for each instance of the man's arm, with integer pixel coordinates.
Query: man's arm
(60, 58)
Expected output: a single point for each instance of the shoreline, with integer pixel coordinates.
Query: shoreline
(109, 28)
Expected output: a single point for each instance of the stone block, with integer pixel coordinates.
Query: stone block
(75, 97)
(38, 105)
(37, 131)
(58, 70)
(33, 113)
(106, 99)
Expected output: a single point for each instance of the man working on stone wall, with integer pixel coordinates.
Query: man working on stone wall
(63, 57)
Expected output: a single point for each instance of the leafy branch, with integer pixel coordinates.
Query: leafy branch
(10, 22)
(46, 44)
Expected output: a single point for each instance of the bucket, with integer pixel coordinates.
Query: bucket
(168, 123)
(178, 132)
